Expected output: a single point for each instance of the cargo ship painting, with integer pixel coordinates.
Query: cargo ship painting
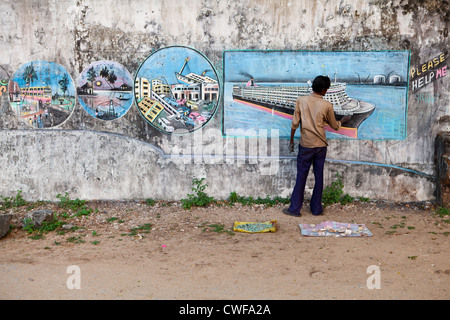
(261, 88)
(280, 100)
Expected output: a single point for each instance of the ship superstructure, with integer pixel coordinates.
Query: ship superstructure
(193, 78)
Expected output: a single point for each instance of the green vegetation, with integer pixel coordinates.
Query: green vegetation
(77, 206)
(68, 209)
(145, 228)
(334, 193)
(75, 240)
(39, 231)
(150, 202)
(46, 226)
(200, 199)
(12, 202)
(219, 228)
(443, 213)
(248, 201)
(331, 194)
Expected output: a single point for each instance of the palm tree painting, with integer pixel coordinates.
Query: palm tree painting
(109, 76)
(29, 75)
(47, 94)
(63, 84)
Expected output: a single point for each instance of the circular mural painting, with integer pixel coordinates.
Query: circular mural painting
(42, 94)
(104, 90)
(3, 92)
(176, 90)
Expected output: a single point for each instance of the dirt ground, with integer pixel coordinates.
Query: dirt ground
(193, 254)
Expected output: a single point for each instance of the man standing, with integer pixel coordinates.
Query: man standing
(311, 114)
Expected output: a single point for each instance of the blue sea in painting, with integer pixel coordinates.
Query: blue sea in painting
(121, 100)
(388, 122)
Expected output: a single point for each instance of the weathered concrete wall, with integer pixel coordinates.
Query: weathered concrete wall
(443, 169)
(128, 158)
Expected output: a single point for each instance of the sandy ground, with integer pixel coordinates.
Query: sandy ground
(183, 257)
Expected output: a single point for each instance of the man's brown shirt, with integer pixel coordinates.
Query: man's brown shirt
(312, 113)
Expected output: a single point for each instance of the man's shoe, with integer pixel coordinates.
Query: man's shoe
(286, 211)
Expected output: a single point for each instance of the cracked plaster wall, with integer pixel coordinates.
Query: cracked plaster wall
(74, 33)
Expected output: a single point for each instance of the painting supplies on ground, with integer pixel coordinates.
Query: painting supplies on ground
(255, 227)
(334, 229)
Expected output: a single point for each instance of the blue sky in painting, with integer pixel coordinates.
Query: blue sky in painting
(48, 74)
(301, 66)
(122, 74)
(167, 61)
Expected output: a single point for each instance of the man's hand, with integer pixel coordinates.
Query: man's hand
(291, 147)
(291, 141)
(345, 118)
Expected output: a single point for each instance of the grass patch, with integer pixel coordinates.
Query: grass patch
(378, 224)
(443, 213)
(145, 228)
(334, 193)
(150, 202)
(79, 207)
(75, 240)
(39, 231)
(248, 201)
(12, 202)
(200, 198)
(219, 228)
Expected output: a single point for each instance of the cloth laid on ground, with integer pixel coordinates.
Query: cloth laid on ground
(255, 227)
(334, 229)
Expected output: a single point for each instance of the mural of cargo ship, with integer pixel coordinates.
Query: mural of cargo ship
(280, 100)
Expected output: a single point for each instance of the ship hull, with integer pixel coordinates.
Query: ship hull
(349, 128)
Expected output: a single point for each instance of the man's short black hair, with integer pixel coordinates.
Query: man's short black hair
(320, 83)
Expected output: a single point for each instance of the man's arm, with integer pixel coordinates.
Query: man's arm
(331, 119)
(291, 141)
(294, 125)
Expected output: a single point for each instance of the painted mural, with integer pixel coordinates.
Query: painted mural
(105, 90)
(3, 86)
(42, 94)
(177, 90)
(261, 88)
(4, 105)
(428, 72)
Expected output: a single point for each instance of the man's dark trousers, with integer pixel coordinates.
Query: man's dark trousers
(306, 157)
